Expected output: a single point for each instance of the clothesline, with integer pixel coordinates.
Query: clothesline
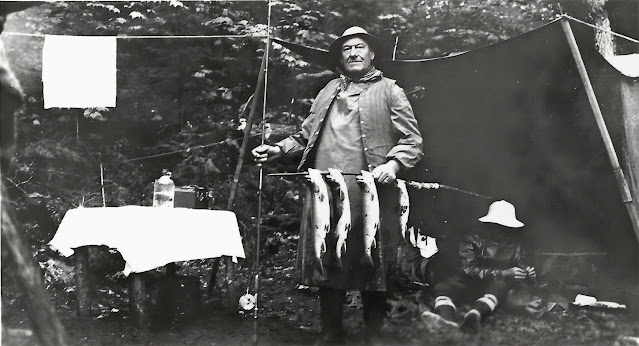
(140, 36)
(196, 147)
(265, 36)
(199, 146)
(188, 149)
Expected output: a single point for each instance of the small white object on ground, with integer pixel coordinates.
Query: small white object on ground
(583, 300)
(247, 301)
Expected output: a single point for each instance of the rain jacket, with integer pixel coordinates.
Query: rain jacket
(389, 129)
(486, 256)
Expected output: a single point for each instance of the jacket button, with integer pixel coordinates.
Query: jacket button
(363, 136)
(361, 121)
(365, 149)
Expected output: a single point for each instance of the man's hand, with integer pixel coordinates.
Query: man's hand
(265, 153)
(514, 273)
(531, 272)
(386, 173)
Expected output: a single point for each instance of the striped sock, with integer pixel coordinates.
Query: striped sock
(445, 307)
(486, 304)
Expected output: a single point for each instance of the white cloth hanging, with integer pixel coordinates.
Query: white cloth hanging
(79, 71)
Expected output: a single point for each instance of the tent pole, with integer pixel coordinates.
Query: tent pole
(601, 124)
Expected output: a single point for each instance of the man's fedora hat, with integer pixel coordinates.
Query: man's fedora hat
(502, 213)
(353, 31)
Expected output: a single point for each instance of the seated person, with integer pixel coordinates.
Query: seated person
(491, 263)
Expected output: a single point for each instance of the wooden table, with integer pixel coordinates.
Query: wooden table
(148, 238)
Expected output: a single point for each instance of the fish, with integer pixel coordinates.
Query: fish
(404, 208)
(413, 236)
(336, 181)
(320, 224)
(370, 206)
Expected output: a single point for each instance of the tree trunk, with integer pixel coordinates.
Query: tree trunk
(595, 12)
(27, 275)
(603, 40)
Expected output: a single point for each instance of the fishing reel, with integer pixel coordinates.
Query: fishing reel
(248, 301)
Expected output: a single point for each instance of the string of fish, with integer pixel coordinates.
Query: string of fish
(321, 183)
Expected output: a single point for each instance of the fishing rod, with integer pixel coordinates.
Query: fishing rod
(261, 181)
(292, 174)
(414, 184)
(434, 186)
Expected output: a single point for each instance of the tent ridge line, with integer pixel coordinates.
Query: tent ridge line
(602, 29)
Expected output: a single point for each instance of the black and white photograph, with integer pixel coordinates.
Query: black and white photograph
(320, 172)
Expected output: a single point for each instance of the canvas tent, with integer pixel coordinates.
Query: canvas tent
(513, 121)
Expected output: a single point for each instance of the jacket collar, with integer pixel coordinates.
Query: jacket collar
(370, 76)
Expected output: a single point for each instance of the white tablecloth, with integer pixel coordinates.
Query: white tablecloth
(149, 237)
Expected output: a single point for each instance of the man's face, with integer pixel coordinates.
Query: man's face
(356, 57)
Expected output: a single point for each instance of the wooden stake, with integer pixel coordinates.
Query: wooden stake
(395, 47)
(102, 184)
(247, 131)
(77, 128)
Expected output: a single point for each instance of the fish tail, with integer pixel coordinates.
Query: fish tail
(412, 236)
(407, 236)
(367, 262)
(315, 264)
(338, 263)
(341, 248)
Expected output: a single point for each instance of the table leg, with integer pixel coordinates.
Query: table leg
(214, 269)
(171, 269)
(83, 280)
(231, 289)
(137, 305)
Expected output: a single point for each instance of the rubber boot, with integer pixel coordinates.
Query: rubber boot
(443, 315)
(482, 307)
(374, 312)
(331, 314)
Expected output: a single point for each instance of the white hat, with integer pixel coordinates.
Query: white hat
(502, 213)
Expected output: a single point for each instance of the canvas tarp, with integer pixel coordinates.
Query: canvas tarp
(512, 121)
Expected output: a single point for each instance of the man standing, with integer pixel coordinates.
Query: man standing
(359, 121)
